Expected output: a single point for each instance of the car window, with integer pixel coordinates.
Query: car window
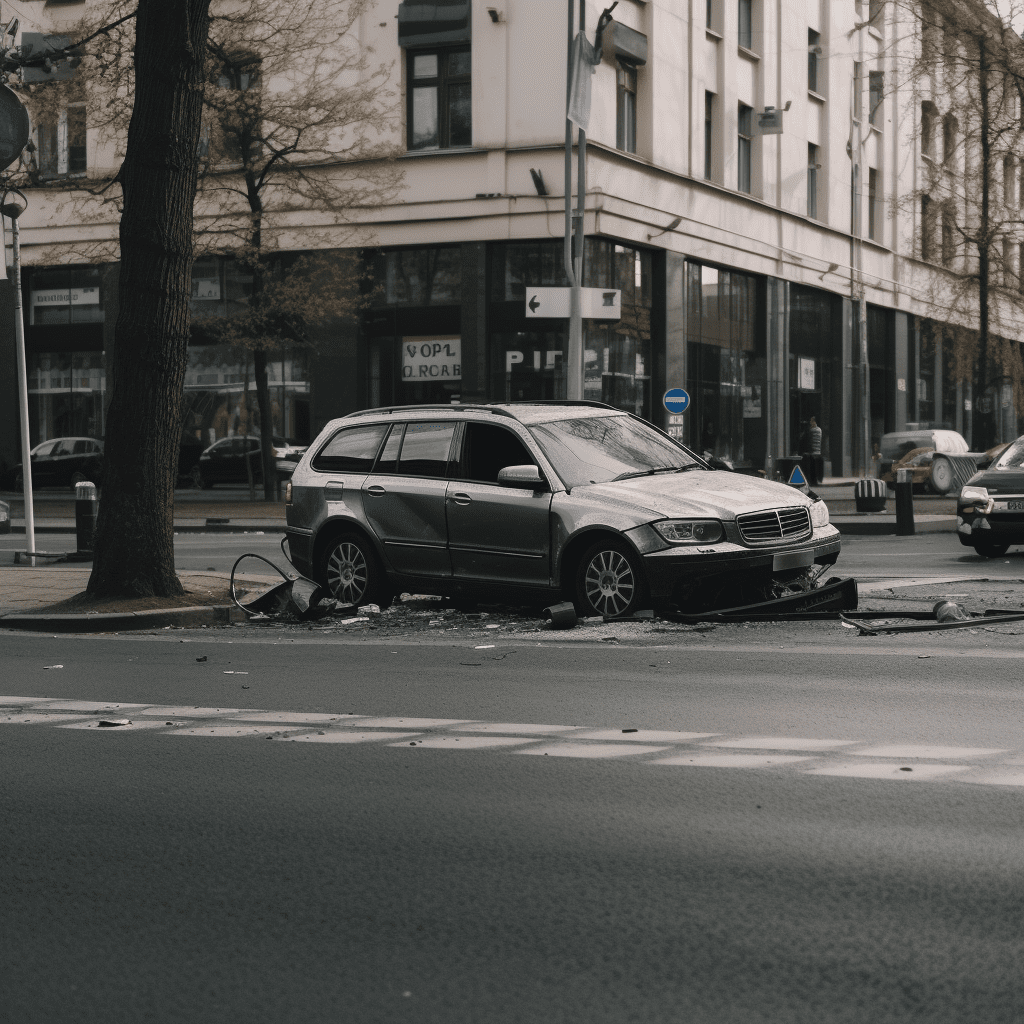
(81, 448)
(488, 449)
(43, 450)
(351, 450)
(388, 461)
(1013, 457)
(603, 448)
(62, 448)
(426, 449)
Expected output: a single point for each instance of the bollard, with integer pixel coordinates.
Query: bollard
(904, 503)
(86, 509)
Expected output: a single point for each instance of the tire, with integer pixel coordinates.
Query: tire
(77, 477)
(352, 573)
(991, 548)
(198, 482)
(609, 579)
(941, 479)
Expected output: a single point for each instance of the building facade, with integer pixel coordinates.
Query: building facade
(747, 163)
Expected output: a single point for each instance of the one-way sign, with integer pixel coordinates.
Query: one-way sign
(595, 303)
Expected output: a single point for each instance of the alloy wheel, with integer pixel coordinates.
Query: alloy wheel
(609, 582)
(348, 573)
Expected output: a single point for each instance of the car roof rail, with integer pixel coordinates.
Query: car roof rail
(392, 409)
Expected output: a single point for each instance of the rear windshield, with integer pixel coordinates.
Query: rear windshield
(602, 448)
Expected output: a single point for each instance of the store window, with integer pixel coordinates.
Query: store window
(439, 98)
(725, 366)
(416, 277)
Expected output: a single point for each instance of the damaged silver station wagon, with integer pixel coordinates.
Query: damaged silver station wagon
(541, 501)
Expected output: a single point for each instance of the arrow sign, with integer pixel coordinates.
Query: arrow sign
(676, 400)
(595, 303)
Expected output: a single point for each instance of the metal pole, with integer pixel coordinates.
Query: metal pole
(574, 344)
(19, 338)
(574, 372)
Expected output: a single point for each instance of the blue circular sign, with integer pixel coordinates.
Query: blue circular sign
(676, 400)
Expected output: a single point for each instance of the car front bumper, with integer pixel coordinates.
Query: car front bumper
(672, 568)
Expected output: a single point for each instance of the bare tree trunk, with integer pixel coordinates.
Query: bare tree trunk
(135, 533)
(985, 241)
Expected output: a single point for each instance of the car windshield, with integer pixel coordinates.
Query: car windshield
(1013, 457)
(597, 449)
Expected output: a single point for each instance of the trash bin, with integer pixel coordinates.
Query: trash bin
(870, 495)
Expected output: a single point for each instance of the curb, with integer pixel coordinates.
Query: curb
(272, 527)
(887, 527)
(111, 622)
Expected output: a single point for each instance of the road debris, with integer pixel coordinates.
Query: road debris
(111, 723)
(53, 666)
(560, 616)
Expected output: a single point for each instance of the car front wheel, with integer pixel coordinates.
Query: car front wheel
(990, 548)
(609, 580)
(352, 572)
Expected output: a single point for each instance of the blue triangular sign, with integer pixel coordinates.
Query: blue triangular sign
(796, 478)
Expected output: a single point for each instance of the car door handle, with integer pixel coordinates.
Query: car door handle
(376, 491)
(461, 498)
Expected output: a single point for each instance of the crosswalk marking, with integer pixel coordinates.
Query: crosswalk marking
(807, 755)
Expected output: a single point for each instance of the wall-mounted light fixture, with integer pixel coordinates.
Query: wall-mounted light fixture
(538, 182)
(495, 14)
(676, 221)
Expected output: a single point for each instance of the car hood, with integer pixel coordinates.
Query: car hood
(1000, 481)
(716, 494)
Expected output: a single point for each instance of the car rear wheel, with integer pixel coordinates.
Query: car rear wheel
(941, 479)
(609, 580)
(990, 548)
(352, 572)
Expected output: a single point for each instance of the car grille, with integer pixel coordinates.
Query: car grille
(778, 524)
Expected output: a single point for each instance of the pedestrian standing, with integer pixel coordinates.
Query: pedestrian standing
(815, 463)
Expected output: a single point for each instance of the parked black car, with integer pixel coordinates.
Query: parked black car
(60, 462)
(224, 462)
(990, 508)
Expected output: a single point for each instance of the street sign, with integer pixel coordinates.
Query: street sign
(676, 400)
(595, 303)
(796, 478)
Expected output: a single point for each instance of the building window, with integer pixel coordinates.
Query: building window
(876, 80)
(927, 228)
(872, 203)
(949, 235)
(813, 50)
(858, 103)
(710, 15)
(746, 133)
(625, 111)
(1008, 275)
(928, 115)
(874, 12)
(746, 18)
(439, 105)
(812, 180)
(950, 128)
(1020, 260)
(1009, 180)
(234, 122)
(62, 144)
(709, 127)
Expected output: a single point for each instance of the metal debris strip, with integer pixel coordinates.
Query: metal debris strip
(823, 602)
(870, 628)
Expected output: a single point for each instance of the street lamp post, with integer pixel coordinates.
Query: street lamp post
(13, 204)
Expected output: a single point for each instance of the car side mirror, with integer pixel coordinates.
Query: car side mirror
(521, 476)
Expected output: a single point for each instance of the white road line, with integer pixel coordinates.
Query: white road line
(511, 727)
(37, 718)
(410, 723)
(185, 711)
(731, 760)
(912, 750)
(643, 736)
(5, 701)
(235, 729)
(996, 779)
(92, 705)
(467, 742)
(94, 723)
(590, 750)
(779, 743)
(298, 717)
(343, 736)
(893, 770)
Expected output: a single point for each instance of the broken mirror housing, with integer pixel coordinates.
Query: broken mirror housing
(690, 531)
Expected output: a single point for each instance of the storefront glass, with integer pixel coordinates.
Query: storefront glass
(725, 366)
(815, 381)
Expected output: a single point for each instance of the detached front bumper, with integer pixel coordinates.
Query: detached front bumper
(672, 569)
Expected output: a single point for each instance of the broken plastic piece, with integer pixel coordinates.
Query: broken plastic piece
(110, 723)
(562, 616)
(299, 597)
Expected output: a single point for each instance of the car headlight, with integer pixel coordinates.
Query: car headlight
(819, 515)
(690, 531)
(974, 494)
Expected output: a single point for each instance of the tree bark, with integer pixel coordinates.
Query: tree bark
(134, 547)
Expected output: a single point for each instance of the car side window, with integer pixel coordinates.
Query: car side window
(64, 448)
(388, 461)
(488, 449)
(425, 449)
(351, 450)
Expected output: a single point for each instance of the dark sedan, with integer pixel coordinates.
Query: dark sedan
(990, 508)
(224, 462)
(61, 462)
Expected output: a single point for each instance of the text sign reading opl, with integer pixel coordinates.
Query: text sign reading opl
(432, 358)
(676, 400)
(595, 303)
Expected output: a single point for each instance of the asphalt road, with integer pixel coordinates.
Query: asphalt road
(174, 873)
